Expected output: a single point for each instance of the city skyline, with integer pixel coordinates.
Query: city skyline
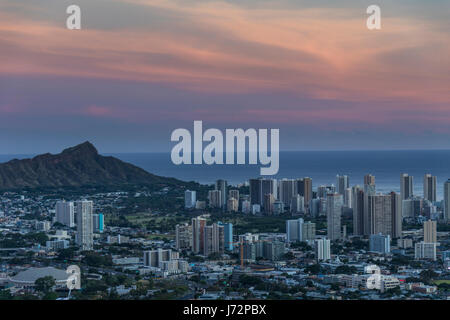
(139, 69)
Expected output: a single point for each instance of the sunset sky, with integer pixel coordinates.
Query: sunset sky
(139, 69)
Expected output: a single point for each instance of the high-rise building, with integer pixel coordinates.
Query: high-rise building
(380, 243)
(278, 207)
(98, 222)
(342, 183)
(335, 202)
(287, 191)
(294, 230)
(314, 207)
(270, 250)
(358, 210)
(308, 231)
(430, 231)
(369, 190)
(412, 207)
(215, 198)
(65, 213)
(255, 191)
(369, 179)
(221, 186)
(273, 250)
(269, 186)
(214, 241)
(183, 236)
(348, 198)
(85, 238)
(228, 235)
(269, 200)
(233, 193)
(304, 188)
(298, 230)
(396, 211)
(429, 187)
(323, 190)
(322, 249)
(190, 198)
(380, 215)
(232, 205)
(406, 186)
(447, 200)
(297, 204)
(153, 258)
(425, 250)
(198, 230)
(261, 187)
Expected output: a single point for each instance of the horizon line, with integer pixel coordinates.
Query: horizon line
(309, 150)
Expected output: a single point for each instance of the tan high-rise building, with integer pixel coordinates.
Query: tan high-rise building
(183, 236)
(429, 231)
(214, 241)
(369, 179)
(233, 194)
(232, 205)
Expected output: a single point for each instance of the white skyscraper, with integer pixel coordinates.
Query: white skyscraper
(221, 186)
(380, 214)
(348, 198)
(294, 230)
(65, 213)
(84, 210)
(190, 198)
(335, 203)
(425, 250)
(322, 247)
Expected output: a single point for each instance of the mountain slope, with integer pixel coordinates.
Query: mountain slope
(76, 166)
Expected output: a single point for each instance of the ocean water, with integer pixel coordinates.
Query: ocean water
(321, 166)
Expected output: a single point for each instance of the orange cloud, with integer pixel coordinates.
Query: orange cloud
(222, 47)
